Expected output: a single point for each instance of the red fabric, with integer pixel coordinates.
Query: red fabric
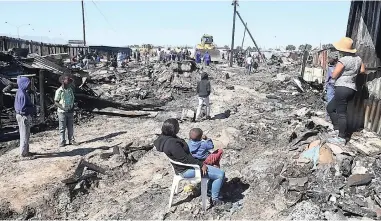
(214, 158)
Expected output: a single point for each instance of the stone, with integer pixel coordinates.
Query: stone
(297, 182)
(339, 150)
(357, 210)
(369, 147)
(301, 112)
(305, 210)
(333, 216)
(188, 114)
(359, 179)
(322, 122)
(231, 87)
(359, 169)
(345, 164)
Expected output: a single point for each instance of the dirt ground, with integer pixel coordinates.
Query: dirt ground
(254, 138)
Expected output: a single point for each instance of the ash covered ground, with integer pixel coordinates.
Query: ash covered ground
(262, 121)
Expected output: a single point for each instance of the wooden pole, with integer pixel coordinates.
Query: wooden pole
(83, 24)
(255, 44)
(233, 32)
(243, 39)
(42, 95)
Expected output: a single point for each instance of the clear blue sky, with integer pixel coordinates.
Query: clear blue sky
(272, 23)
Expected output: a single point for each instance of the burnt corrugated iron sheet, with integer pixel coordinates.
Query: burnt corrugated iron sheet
(364, 27)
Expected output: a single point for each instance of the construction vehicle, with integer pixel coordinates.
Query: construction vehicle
(207, 45)
(147, 48)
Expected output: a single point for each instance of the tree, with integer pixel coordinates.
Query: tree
(238, 48)
(327, 46)
(227, 47)
(290, 47)
(301, 47)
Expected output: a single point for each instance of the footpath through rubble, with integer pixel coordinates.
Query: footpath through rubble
(271, 127)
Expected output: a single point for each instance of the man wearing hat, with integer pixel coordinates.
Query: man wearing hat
(344, 79)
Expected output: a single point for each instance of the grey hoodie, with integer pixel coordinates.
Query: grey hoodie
(203, 87)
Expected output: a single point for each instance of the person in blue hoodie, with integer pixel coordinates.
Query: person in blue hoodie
(24, 109)
(201, 148)
(207, 58)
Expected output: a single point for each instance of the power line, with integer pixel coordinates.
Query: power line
(104, 17)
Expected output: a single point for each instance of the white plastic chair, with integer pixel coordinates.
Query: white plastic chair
(198, 178)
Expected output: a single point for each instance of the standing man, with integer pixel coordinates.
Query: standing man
(203, 92)
(24, 109)
(64, 100)
(198, 57)
(207, 58)
(249, 61)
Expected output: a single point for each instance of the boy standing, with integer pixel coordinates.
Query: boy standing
(203, 92)
(64, 100)
(200, 147)
(24, 109)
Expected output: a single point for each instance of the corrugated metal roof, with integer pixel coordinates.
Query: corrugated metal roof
(42, 63)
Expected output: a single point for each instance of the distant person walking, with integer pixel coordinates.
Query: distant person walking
(344, 78)
(24, 109)
(64, 100)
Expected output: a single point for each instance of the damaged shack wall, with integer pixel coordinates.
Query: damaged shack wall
(40, 48)
(364, 28)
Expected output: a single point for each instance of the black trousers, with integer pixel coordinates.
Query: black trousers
(337, 109)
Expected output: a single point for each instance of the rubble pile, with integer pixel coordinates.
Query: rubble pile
(154, 82)
(101, 89)
(343, 182)
(271, 127)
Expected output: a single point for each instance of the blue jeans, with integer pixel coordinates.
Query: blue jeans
(215, 175)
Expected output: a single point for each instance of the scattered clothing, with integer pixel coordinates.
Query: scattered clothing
(337, 141)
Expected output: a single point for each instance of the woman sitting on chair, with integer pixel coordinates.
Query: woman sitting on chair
(177, 150)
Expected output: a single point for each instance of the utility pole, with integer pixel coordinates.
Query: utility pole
(243, 39)
(255, 44)
(235, 2)
(83, 24)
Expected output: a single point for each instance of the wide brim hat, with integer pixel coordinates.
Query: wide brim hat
(345, 45)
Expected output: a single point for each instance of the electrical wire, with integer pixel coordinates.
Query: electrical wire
(104, 17)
